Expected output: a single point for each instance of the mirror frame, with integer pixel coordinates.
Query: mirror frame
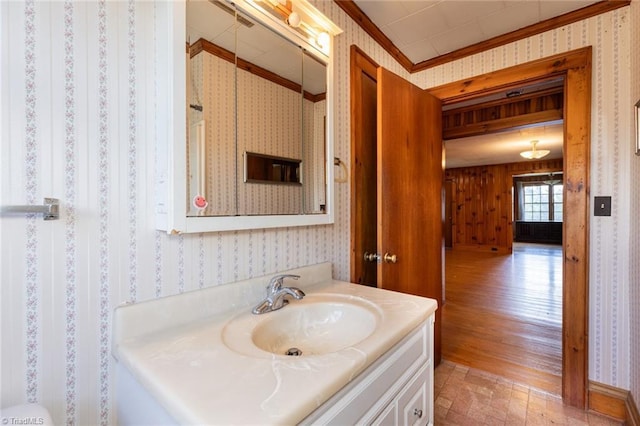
(171, 122)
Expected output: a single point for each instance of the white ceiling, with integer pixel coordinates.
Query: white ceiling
(424, 29)
(504, 147)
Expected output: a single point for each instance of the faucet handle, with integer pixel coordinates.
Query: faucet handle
(276, 282)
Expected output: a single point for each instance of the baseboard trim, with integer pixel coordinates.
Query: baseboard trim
(633, 415)
(613, 402)
(483, 247)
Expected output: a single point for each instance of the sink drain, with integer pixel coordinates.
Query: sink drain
(293, 352)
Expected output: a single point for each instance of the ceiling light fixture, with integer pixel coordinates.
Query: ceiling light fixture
(553, 180)
(534, 154)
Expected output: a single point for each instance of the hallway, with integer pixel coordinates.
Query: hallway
(503, 313)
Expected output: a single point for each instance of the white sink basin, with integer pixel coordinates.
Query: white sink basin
(316, 325)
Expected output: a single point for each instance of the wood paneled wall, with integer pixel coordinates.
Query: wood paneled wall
(482, 203)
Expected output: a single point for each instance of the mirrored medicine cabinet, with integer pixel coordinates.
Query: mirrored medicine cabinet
(249, 140)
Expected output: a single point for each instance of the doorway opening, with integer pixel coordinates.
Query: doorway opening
(503, 309)
(575, 68)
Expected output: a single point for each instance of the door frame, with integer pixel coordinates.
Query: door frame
(360, 64)
(575, 67)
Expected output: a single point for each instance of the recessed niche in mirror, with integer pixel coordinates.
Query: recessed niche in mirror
(251, 90)
(260, 168)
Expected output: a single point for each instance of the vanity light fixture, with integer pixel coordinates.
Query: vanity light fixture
(302, 18)
(535, 154)
(323, 40)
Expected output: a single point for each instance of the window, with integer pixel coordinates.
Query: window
(542, 202)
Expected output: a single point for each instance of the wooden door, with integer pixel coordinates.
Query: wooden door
(410, 180)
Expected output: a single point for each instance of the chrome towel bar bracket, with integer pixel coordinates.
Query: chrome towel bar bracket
(50, 209)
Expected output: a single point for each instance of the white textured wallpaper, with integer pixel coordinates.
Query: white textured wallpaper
(634, 234)
(78, 102)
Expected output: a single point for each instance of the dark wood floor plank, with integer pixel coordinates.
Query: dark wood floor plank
(503, 313)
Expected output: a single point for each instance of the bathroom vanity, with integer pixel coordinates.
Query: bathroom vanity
(203, 358)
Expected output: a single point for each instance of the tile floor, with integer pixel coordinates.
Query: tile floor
(469, 397)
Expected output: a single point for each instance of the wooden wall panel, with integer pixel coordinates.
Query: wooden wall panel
(482, 212)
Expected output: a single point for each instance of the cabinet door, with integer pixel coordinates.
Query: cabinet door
(414, 407)
(389, 417)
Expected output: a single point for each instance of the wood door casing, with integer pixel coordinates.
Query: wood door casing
(363, 167)
(575, 67)
(410, 190)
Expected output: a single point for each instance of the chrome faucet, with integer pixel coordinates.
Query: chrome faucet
(276, 293)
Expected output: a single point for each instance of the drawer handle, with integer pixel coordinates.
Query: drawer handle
(418, 413)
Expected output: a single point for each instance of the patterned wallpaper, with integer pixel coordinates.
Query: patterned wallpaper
(78, 124)
(634, 246)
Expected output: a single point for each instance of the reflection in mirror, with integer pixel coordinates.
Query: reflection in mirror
(246, 94)
(211, 109)
(315, 118)
(269, 105)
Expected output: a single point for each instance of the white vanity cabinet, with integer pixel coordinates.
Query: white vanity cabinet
(190, 359)
(397, 389)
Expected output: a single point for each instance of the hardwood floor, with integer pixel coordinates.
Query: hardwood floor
(503, 313)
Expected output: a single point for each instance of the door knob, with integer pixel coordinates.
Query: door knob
(390, 258)
(371, 257)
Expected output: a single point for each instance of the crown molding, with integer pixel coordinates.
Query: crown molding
(352, 9)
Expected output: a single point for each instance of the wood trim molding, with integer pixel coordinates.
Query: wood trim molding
(531, 30)
(613, 402)
(494, 126)
(203, 45)
(361, 67)
(608, 400)
(355, 13)
(575, 68)
(351, 9)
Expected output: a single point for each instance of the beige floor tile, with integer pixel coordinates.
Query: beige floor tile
(469, 397)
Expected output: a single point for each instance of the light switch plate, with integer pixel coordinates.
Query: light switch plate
(602, 206)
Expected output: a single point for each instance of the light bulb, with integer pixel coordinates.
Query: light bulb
(323, 40)
(293, 20)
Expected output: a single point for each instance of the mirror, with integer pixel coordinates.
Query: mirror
(252, 93)
(199, 163)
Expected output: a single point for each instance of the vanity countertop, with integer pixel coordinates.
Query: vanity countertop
(198, 379)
